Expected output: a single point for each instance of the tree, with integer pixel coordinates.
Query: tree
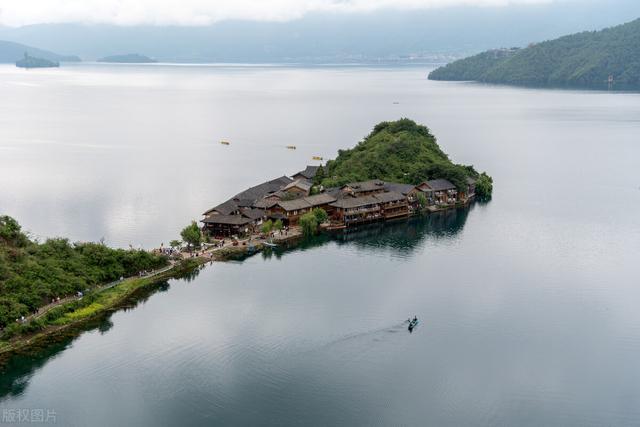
(321, 215)
(191, 235)
(422, 200)
(484, 187)
(278, 225)
(267, 226)
(309, 224)
(175, 244)
(319, 176)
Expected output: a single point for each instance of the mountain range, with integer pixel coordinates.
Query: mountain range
(10, 52)
(436, 35)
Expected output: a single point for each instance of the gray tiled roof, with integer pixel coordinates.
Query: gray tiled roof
(440, 185)
(364, 186)
(399, 188)
(227, 219)
(354, 202)
(248, 197)
(390, 196)
(253, 213)
(306, 202)
(300, 183)
(225, 208)
(309, 172)
(259, 191)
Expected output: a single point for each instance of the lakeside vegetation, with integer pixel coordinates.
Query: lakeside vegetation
(33, 273)
(584, 59)
(399, 151)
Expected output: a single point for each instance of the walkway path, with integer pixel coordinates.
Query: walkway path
(278, 237)
(46, 308)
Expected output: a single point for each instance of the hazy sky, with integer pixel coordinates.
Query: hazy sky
(202, 12)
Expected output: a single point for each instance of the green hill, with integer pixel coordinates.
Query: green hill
(129, 58)
(584, 60)
(400, 151)
(11, 52)
(33, 273)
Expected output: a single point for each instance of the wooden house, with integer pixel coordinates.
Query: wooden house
(290, 211)
(393, 204)
(298, 188)
(356, 210)
(438, 192)
(363, 188)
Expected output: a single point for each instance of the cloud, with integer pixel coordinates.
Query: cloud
(204, 12)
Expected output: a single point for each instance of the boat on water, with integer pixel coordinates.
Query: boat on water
(413, 323)
(317, 158)
(224, 142)
(291, 147)
(270, 244)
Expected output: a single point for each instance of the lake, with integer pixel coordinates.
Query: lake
(528, 303)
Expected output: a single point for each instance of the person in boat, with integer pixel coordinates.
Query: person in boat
(415, 319)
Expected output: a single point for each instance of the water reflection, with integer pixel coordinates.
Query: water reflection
(401, 237)
(17, 371)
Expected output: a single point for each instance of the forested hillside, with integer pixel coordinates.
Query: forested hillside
(399, 151)
(586, 59)
(32, 273)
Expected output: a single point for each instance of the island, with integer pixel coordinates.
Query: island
(606, 59)
(129, 58)
(33, 62)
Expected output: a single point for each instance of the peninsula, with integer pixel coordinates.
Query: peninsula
(129, 58)
(607, 59)
(398, 170)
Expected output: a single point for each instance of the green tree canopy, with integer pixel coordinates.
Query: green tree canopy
(33, 273)
(321, 215)
(584, 59)
(309, 224)
(400, 151)
(191, 235)
(267, 226)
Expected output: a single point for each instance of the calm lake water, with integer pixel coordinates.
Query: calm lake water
(529, 304)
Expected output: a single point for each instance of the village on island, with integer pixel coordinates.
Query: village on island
(286, 199)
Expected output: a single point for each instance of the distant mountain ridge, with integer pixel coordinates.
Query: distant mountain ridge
(11, 52)
(434, 35)
(609, 58)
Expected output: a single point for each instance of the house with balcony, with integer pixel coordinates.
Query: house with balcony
(290, 211)
(356, 210)
(438, 192)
